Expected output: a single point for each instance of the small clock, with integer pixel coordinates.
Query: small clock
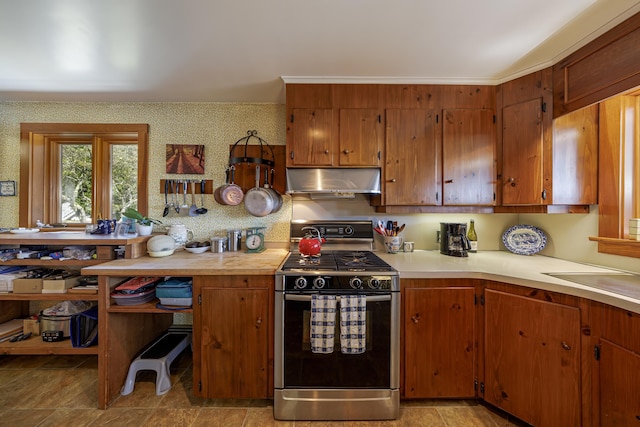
(7, 188)
(255, 239)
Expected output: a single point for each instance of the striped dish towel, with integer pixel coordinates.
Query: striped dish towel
(353, 330)
(323, 323)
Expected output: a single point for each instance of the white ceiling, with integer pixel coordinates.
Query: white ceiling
(240, 50)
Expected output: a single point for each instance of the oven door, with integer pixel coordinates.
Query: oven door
(298, 367)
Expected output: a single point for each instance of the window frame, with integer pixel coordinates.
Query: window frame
(619, 173)
(39, 154)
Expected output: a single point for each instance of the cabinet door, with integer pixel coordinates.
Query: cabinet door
(439, 342)
(310, 137)
(412, 166)
(532, 359)
(361, 137)
(575, 158)
(522, 154)
(469, 157)
(619, 389)
(234, 343)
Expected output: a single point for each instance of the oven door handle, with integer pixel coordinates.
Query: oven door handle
(307, 297)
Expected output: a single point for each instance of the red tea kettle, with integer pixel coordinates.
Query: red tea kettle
(311, 244)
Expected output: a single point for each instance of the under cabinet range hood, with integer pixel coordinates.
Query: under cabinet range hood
(338, 182)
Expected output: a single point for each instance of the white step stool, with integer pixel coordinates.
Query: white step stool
(158, 357)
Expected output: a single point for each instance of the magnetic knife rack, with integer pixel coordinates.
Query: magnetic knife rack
(208, 186)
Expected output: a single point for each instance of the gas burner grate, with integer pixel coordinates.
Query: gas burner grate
(297, 261)
(309, 260)
(348, 260)
(355, 259)
(360, 261)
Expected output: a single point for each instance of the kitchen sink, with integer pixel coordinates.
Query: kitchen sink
(626, 284)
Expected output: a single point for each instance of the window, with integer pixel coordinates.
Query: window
(74, 174)
(619, 170)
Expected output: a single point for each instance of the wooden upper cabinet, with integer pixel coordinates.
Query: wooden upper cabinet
(469, 157)
(427, 97)
(545, 162)
(361, 137)
(575, 157)
(310, 125)
(482, 97)
(361, 134)
(605, 67)
(334, 125)
(309, 96)
(412, 166)
(524, 140)
(310, 137)
(401, 127)
(522, 154)
(437, 132)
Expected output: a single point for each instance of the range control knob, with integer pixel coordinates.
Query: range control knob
(301, 283)
(355, 283)
(374, 283)
(348, 230)
(319, 282)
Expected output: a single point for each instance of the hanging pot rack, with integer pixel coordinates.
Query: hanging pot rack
(245, 158)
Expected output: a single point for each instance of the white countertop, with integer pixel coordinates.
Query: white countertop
(509, 268)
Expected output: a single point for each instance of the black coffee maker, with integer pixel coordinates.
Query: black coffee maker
(453, 239)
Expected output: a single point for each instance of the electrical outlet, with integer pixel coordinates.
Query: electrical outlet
(438, 236)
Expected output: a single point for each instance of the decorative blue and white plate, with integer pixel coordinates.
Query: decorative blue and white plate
(524, 239)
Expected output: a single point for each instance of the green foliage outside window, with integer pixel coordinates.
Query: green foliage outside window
(76, 188)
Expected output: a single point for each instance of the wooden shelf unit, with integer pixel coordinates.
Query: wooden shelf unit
(127, 328)
(149, 307)
(49, 297)
(17, 303)
(35, 346)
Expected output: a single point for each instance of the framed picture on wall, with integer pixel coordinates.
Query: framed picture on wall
(185, 159)
(7, 188)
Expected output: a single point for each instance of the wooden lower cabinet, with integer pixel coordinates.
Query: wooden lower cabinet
(533, 358)
(233, 342)
(619, 371)
(547, 358)
(439, 335)
(616, 387)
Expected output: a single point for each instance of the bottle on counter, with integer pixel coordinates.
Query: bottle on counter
(473, 237)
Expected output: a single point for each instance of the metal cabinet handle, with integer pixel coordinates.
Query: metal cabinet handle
(565, 346)
(415, 318)
(392, 180)
(326, 151)
(346, 151)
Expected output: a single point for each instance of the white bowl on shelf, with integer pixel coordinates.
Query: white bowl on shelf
(198, 249)
(159, 254)
(159, 246)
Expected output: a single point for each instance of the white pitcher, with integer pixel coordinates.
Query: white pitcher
(180, 234)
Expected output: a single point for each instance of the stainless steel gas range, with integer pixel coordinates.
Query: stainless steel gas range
(337, 328)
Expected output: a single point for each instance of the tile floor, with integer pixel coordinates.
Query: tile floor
(62, 391)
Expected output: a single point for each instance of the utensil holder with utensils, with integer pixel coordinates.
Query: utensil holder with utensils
(174, 188)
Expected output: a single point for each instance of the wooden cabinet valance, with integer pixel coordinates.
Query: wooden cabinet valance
(607, 66)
